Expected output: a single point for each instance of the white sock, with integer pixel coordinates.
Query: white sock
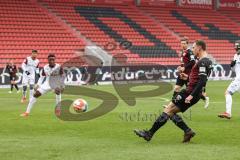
(30, 104)
(58, 98)
(229, 104)
(31, 91)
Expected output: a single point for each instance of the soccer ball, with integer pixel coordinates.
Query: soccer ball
(80, 105)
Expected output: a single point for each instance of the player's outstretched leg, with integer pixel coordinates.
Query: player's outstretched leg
(24, 96)
(169, 112)
(228, 113)
(147, 134)
(161, 121)
(31, 103)
(58, 98)
(31, 91)
(11, 85)
(188, 133)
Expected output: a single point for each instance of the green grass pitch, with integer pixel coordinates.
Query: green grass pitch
(110, 137)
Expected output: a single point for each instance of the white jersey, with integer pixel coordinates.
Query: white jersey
(237, 65)
(44, 80)
(48, 71)
(30, 65)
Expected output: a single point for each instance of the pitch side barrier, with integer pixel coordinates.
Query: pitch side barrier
(124, 74)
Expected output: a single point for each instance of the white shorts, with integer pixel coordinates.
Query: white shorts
(28, 79)
(44, 88)
(234, 86)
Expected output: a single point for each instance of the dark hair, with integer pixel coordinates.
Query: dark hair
(186, 39)
(34, 51)
(202, 44)
(51, 55)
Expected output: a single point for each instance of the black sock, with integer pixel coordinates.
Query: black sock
(16, 87)
(178, 121)
(174, 94)
(159, 122)
(203, 97)
(11, 87)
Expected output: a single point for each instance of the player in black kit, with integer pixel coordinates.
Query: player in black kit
(12, 70)
(188, 59)
(187, 62)
(186, 97)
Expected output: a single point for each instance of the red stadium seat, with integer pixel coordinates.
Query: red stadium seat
(24, 26)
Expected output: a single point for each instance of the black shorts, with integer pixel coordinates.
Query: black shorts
(13, 78)
(179, 100)
(181, 82)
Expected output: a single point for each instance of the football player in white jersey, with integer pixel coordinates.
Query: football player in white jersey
(235, 84)
(44, 85)
(30, 66)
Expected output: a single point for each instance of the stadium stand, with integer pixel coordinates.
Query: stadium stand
(233, 14)
(219, 31)
(153, 32)
(25, 26)
(117, 24)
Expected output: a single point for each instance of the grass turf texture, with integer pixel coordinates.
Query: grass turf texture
(43, 136)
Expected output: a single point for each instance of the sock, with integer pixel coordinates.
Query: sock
(229, 104)
(30, 104)
(203, 97)
(30, 93)
(11, 87)
(58, 98)
(159, 122)
(24, 91)
(174, 94)
(16, 86)
(178, 121)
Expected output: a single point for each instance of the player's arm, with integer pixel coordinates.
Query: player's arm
(191, 62)
(38, 70)
(41, 79)
(233, 61)
(203, 76)
(24, 66)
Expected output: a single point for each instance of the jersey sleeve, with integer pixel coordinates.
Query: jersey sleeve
(41, 78)
(24, 65)
(191, 58)
(37, 68)
(191, 55)
(204, 67)
(235, 57)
